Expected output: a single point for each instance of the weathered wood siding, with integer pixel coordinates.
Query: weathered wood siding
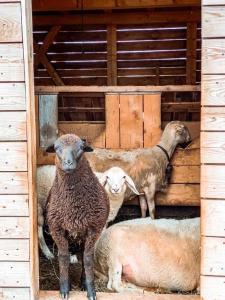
(212, 150)
(15, 267)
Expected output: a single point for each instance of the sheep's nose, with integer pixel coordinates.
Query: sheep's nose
(69, 162)
(116, 190)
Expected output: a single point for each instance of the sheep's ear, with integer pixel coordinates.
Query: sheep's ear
(86, 147)
(50, 149)
(131, 185)
(102, 179)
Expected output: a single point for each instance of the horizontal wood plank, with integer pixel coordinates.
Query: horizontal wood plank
(213, 2)
(213, 90)
(186, 157)
(14, 250)
(213, 21)
(11, 60)
(213, 181)
(14, 227)
(12, 96)
(185, 174)
(212, 256)
(10, 23)
(13, 183)
(13, 156)
(213, 212)
(13, 126)
(213, 147)
(213, 119)
(14, 274)
(15, 293)
(212, 287)
(14, 205)
(213, 51)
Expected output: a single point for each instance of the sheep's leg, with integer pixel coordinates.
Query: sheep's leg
(42, 244)
(150, 196)
(115, 274)
(91, 239)
(143, 205)
(64, 260)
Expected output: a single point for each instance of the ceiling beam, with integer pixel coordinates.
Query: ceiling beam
(117, 18)
(51, 5)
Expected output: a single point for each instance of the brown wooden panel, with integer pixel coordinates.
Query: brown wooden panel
(212, 256)
(12, 96)
(131, 121)
(13, 205)
(15, 293)
(11, 60)
(185, 174)
(14, 274)
(213, 56)
(213, 90)
(112, 121)
(10, 23)
(14, 227)
(213, 22)
(186, 157)
(152, 119)
(12, 126)
(212, 287)
(153, 45)
(13, 156)
(151, 80)
(213, 212)
(13, 183)
(14, 250)
(180, 194)
(213, 181)
(213, 119)
(136, 35)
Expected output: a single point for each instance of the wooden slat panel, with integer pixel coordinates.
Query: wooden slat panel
(213, 211)
(48, 119)
(180, 194)
(152, 119)
(186, 157)
(12, 96)
(13, 156)
(213, 56)
(15, 293)
(13, 205)
(213, 22)
(212, 287)
(112, 121)
(14, 274)
(185, 174)
(212, 256)
(10, 23)
(131, 121)
(213, 90)
(13, 183)
(213, 181)
(213, 118)
(14, 227)
(14, 250)
(11, 60)
(12, 126)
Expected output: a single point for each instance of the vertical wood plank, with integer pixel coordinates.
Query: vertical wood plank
(152, 119)
(112, 121)
(111, 55)
(48, 119)
(131, 121)
(191, 53)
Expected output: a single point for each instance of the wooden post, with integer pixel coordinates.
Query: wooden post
(48, 119)
(191, 53)
(111, 55)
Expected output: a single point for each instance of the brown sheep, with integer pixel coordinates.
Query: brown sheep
(77, 207)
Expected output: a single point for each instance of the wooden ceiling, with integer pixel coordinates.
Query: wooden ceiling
(59, 5)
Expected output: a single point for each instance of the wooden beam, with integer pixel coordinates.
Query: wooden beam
(46, 5)
(119, 18)
(111, 55)
(191, 53)
(116, 89)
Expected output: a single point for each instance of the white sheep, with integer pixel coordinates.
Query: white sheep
(114, 180)
(146, 253)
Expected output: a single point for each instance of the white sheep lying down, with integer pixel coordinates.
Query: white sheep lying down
(114, 180)
(146, 253)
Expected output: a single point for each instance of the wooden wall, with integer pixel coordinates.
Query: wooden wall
(212, 150)
(15, 178)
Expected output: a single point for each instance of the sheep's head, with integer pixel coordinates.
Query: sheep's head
(178, 132)
(69, 148)
(115, 180)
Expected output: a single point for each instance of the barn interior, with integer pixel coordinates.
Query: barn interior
(91, 58)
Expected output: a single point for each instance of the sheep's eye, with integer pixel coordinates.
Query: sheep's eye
(124, 177)
(107, 177)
